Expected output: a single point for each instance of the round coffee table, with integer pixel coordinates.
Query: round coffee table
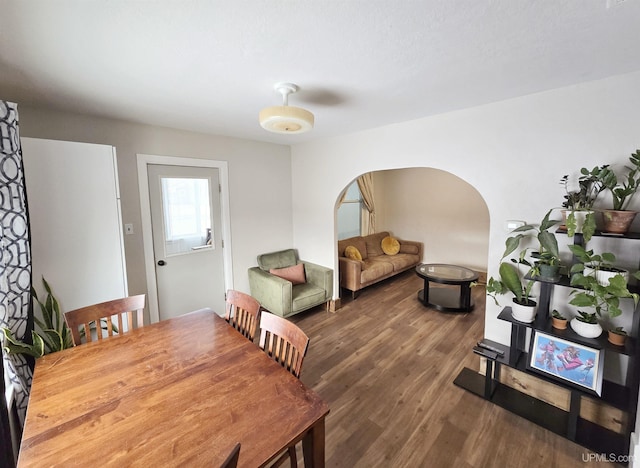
(446, 299)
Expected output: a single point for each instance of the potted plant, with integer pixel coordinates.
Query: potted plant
(599, 266)
(617, 336)
(579, 201)
(558, 320)
(54, 334)
(586, 325)
(600, 298)
(618, 219)
(547, 258)
(523, 308)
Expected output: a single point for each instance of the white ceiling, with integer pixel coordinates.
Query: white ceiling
(210, 66)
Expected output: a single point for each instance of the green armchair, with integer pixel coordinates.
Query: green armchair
(279, 296)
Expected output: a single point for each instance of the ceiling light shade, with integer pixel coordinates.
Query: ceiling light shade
(285, 118)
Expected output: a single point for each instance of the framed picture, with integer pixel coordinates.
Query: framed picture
(574, 364)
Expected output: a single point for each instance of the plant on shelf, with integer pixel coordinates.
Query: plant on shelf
(622, 189)
(547, 258)
(54, 335)
(602, 299)
(586, 325)
(558, 320)
(579, 201)
(601, 266)
(513, 279)
(617, 336)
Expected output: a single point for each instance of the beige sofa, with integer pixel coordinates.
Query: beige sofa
(375, 265)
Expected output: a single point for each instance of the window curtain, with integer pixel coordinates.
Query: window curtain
(365, 184)
(15, 257)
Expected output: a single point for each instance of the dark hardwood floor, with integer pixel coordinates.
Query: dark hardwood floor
(386, 364)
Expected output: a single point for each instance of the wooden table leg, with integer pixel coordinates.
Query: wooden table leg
(313, 446)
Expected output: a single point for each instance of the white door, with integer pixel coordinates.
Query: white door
(187, 238)
(76, 228)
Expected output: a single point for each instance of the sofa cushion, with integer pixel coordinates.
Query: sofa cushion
(408, 248)
(294, 273)
(281, 259)
(390, 245)
(374, 243)
(374, 268)
(353, 253)
(402, 261)
(306, 295)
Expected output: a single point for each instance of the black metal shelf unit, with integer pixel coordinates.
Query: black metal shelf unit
(568, 424)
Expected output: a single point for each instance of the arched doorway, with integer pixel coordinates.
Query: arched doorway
(437, 208)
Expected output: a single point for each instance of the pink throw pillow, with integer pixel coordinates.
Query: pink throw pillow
(295, 273)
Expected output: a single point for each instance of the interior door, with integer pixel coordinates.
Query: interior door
(187, 238)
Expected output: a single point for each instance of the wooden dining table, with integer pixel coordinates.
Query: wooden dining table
(180, 392)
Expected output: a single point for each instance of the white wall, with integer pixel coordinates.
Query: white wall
(513, 152)
(259, 181)
(437, 208)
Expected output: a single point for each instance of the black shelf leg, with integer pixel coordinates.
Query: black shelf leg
(574, 413)
(518, 335)
(488, 380)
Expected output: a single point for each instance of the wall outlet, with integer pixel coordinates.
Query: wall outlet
(128, 229)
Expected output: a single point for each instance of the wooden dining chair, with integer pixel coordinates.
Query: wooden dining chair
(283, 341)
(242, 313)
(232, 459)
(100, 317)
(287, 344)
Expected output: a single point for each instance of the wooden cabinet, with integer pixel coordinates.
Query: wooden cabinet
(568, 421)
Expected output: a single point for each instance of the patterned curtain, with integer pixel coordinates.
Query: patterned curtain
(15, 254)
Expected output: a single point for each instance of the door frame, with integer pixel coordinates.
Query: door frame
(143, 160)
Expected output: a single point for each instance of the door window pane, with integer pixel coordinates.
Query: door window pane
(187, 214)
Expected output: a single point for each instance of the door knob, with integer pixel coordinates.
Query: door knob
(161, 263)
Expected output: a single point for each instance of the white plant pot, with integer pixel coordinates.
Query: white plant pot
(580, 218)
(587, 330)
(603, 276)
(523, 313)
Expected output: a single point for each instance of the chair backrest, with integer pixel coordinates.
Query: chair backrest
(284, 341)
(101, 315)
(232, 459)
(280, 259)
(242, 313)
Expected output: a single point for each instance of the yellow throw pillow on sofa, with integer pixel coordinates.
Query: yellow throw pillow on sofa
(353, 253)
(390, 245)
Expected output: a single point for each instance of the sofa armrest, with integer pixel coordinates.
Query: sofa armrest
(419, 245)
(350, 273)
(320, 276)
(273, 293)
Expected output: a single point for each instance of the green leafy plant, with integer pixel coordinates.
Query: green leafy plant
(53, 334)
(587, 317)
(602, 299)
(618, 331)
(511, 279)
(548, 244)
(624, 187)
(557, 315)
(590, 258)
(590, 185)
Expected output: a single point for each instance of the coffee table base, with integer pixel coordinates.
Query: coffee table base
(446, 299)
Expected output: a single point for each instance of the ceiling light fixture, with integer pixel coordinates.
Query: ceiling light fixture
(286, 118)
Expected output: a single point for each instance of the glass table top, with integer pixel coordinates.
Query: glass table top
(447, 272)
